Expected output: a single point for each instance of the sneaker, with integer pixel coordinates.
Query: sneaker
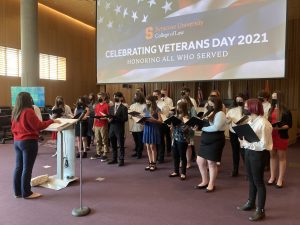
(104, 158)
(34, 195)
(96, 156)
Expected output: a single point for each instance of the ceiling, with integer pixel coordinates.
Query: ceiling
(83, 10)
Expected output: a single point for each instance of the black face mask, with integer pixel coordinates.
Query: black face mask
(261, 99)
(163, 95)
(210, 108)
(240, 103)
(246, 112)
(148, 104)
(274, 102)
(117, 99)
(79, 105)
(100, 100)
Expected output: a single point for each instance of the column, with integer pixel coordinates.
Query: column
(29, 42)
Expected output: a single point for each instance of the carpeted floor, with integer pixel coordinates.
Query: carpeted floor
(130, 195)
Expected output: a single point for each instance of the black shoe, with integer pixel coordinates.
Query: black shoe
(104, 158)
(121, 163)
(84, 155)
(77, 155)
(161, 161)
(271, 183)
(139, 156)
(246, 207)
(210, 190)
(174, 174)
(200, 187)
(259, 214)
(113, 162)
(134, 155)
(96, 156)
(234, 173)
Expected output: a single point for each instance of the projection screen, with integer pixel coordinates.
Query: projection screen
(188, 40)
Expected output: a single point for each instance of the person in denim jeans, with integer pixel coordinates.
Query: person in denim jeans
(25, 128)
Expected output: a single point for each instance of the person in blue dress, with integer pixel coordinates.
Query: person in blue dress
(151, 135)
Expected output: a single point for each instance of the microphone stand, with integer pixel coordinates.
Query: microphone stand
(82, 210)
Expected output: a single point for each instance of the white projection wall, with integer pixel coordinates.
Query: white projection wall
(184, 40)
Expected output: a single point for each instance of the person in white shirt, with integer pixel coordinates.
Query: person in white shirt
(164, 128)
(234, 114)
(137, 129)
(164, 97)
(186, 92)
(264, 97)
(255, 154)
(211, 145)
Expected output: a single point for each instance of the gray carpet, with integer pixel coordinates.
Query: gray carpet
(132, 196)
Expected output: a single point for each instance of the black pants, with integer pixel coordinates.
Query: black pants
(117, 137)
(138, 140)
(236, 151)
(255, 164)
(179, 153)
(165, 142)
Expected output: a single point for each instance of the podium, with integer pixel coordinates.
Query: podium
(65, 154)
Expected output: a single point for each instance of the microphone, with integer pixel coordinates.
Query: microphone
(82, 115)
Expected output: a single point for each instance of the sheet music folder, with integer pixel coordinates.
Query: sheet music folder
(246, 131)
(243, 119)
(173, 120)
(195, 121)
(134, 113)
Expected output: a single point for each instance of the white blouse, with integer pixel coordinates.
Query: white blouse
(233, 115)
(263, 129)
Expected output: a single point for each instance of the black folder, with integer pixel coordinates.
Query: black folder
(134, 113)
(142, 119)
(277, 124)
(243, 119)
(246, 131)
(195, 121)
(173, 120)
(57, 111)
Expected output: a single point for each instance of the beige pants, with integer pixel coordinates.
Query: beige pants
(101, 135)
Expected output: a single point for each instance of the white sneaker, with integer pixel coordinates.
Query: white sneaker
(34, 195)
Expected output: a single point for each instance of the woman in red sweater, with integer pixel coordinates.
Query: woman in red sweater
(25, 128)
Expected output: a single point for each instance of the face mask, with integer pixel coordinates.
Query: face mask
(274, 102)
(148, 104)
(117, 99)
(261, 99)
(240, 103)
(246, 112)
(100, 100)
(163, 95)
(210, 108)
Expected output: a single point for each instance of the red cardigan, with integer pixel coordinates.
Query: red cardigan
(28, 126)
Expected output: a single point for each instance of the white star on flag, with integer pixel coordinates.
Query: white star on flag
(139, 1)
(107, 5)
(110, 25)
(145, 18)
(118, 9)
(167, 6)
(151, 2)
(125, 13)
(100, 20)
(134, 16)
